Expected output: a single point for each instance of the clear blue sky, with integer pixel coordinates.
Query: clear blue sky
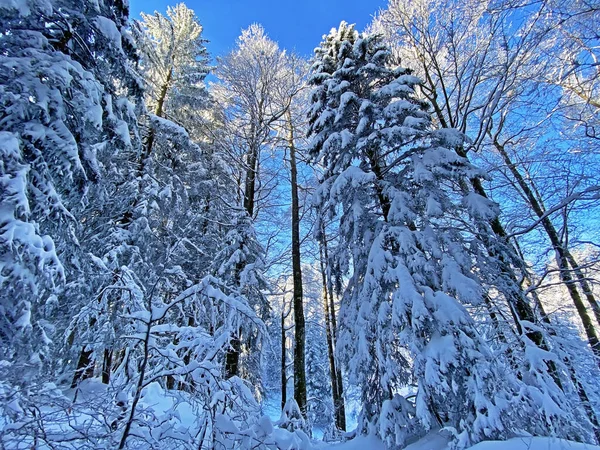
(295, 25)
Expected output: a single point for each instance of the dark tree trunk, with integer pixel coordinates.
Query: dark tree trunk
(299, 323)
(283, 361)
(585, 286)
(232, 359)
(159, 111)
(85, 364)
(561, 255)
(107, 366)
(250, 182)
(85, 368)
(338, 370)
(336, 391)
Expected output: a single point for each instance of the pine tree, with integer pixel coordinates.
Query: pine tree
(395, 186)
(65, 102)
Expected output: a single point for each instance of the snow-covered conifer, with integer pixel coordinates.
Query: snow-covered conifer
(65, 82)
(396, 186)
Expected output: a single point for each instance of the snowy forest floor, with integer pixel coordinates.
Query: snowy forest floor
(434, 441)
(159, 402)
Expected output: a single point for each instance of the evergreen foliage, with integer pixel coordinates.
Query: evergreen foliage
(396, 186)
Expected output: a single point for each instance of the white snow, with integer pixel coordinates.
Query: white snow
(533, 443)
(108, 28)
(437, 441)
(20, 5)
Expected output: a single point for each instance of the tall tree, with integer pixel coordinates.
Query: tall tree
(257, 85)
(299, 322)
(174, 64)
(67, 103)
(480, 64)
(292, 124)
(400, 187)
(337, 389)
(248, 90)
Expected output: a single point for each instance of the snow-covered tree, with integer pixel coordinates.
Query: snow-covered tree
(254, 92)
(137, 246)
(174, 64)
(65, 84)
(397, 187)
(511, 56)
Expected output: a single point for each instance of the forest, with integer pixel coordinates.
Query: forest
(393, 243)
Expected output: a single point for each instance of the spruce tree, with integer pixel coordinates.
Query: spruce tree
(66, 92)
(395, 185)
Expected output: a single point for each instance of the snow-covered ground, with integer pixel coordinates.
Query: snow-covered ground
(435, 441)
(162, 403)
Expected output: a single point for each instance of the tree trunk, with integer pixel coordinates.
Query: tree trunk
(232, 359)
(561, 257)
(517, 301)
(250, 182)
(85, 364)
(283, 361)
(329, 285)
(585, 286)
(140, 384)
(85, 368)
(299, 323)
(518, 304)
(581, 392)
(162, 96)
(338, 371)
(336, 391)
(107, 365)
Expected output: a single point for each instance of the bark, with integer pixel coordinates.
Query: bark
(251, 170)
(159, 111)
(85, 368)
(107, 366)
(299, 322)
(232, 359)
(329, 285)
(283, 362)
(338, 370)
(581, 392)
(336, 390)
(85, 364)
(585, 286)
(561, 254)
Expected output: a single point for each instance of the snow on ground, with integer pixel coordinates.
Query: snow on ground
(358, 443)
(436, 441)
(162, 402)
(533, 443)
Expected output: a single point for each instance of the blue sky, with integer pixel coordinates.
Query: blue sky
(296, 25)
